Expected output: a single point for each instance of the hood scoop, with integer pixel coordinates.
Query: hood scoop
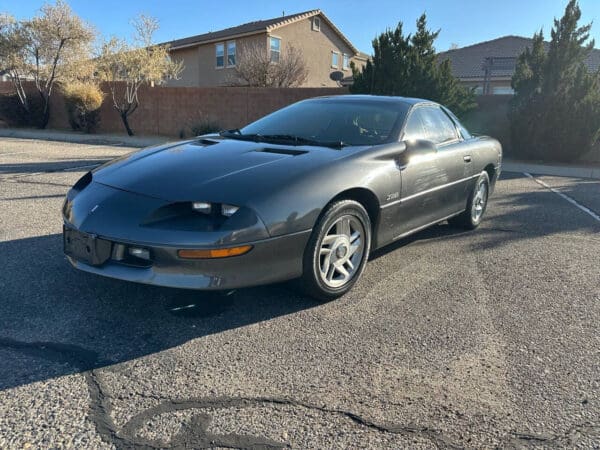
(282, 151)
(207, 142)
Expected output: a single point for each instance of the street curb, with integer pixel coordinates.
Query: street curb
(546, 169)
(80, 138)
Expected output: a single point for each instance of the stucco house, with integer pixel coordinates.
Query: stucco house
(489, 66)
(210, 58)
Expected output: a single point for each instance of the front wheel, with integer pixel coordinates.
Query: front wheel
(337, 251)
(471, 217)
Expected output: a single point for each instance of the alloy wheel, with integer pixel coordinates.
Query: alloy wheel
(479, 201)
(341, 251)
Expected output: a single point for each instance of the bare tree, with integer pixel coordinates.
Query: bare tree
(127, 66)
(46, 49)
(255, 67)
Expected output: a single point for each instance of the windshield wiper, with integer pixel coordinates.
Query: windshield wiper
(237, 134)
(287, 138)
(299, 140)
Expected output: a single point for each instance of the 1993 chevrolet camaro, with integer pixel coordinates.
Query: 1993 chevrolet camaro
(306, 192)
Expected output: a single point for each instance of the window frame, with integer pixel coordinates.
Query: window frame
(502, 90)
(316, 24)
(441, 145)
(234, 53)
(345, 57)
(217, 66)
(458, 124)
(337, 59)
(271, 37)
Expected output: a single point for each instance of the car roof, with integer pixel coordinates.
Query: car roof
(377, 98)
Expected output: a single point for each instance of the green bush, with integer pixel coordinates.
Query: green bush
(555, 113)
(205, 126)
(15, 115)
(198, 127)
(83, 101)
(408, 65)
(491, 119)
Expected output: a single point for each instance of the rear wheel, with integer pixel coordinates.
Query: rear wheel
(337, 251)
(471, 217)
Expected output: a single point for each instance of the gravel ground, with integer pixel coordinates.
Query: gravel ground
(451, 339)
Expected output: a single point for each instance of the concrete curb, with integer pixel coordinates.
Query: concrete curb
(554, 170)
(90, 139)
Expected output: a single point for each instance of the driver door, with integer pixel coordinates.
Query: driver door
(431, 185)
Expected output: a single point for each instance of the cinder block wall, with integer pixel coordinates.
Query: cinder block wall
(169, 110)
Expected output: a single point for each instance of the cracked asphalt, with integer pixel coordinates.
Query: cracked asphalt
(450, 340)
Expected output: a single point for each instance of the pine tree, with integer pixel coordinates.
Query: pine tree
(555, 113)
(407, 65)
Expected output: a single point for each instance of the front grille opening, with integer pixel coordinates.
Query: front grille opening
(126, 255)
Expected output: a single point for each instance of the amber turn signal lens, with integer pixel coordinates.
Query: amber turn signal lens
(214, 253)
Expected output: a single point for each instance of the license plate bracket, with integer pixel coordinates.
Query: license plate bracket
(85, 247)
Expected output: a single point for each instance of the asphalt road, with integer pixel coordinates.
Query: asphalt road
(451, 339)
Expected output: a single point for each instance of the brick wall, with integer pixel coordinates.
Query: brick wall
(169, 110)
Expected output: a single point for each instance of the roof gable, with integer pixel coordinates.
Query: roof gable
(260, 26)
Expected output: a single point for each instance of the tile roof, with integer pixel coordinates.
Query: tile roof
(467, 62)
(258, 26)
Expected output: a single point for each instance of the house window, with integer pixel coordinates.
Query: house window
(316, 24)
(335, 60)
(275, 45)
(346, 62)
(231, 53)
(502, 90)
(478, 90)
(220, 52)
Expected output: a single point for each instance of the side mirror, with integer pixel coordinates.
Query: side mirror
(417, 150)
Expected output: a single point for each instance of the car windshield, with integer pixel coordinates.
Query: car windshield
(330, 122)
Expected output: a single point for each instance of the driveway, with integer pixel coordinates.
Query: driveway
(451, 339)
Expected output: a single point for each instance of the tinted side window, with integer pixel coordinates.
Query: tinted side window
(463, 131)
(438, 126)
(413, 129)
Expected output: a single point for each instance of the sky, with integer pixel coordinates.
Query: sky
(461, 22)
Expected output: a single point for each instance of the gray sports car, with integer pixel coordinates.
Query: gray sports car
(306, 192)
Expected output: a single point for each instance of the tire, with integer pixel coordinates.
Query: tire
(471, 217)
(340, 241)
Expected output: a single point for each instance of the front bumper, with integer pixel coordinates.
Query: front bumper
(270, 260)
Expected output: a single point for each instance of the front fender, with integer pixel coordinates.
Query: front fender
(296, 205)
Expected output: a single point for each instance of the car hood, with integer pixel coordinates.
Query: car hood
(209, 169)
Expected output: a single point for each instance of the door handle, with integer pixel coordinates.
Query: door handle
(467, 158)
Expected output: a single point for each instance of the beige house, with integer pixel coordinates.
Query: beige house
(210, 58)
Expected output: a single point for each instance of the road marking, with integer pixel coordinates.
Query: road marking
(566, 197)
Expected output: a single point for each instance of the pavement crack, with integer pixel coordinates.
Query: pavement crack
(194, 434)
(100, 412)
(84, 360)
(569, 437)
(198, 436)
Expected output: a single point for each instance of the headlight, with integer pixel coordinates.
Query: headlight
(203, 207)
(207, 208)
(228, 210)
